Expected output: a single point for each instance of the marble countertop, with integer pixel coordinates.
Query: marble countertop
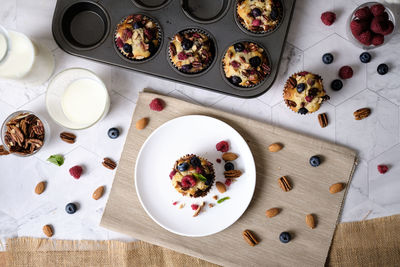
(23, 213)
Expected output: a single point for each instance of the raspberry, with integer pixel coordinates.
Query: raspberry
(256, 22)
(194, 206)
(76, 171)
(172, 173)
(358, 26)
(345, 72)
(379, 24)
(389, 29)
(182, 56)
(148, 33)
(303, 73)
(228, 182)
(309, 98)
(383, 169)
(176, 202)
(363, 13)
(365, 38)
(328, 18)
(188, 181)
(378, 39)
(218, 160)
(127, 34)
(222, 146)
(156, 104)
(119, 42)
(199, 170)
(377, 9)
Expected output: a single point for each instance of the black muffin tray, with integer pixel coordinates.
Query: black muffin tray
(86, 29)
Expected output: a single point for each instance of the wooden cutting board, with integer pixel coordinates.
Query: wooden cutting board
(310, 194)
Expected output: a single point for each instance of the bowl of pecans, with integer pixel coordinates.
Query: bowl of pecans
(23, 133)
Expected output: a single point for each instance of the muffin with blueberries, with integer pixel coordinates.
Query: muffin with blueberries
(246, 64)
(137, 37)
(191, 51)
(192, 176)
(304, 92)
(259, 16)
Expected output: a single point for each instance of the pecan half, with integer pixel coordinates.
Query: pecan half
(252, 47)
(292, 82)
(17, 135)
(284, 184)
(109, 163)
(290, 103)
(249, 238)
(232, 174)
(3, 151)
(323, 120)
(68, 137)
(361, 113)
(172, 49)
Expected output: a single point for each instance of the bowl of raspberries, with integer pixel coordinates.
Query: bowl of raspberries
(371, 25)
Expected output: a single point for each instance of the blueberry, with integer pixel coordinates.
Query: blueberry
(186, 44)
(327, 58)
(301, 87)
(239, 47)
(183, 166)
(195, 161)
(186, 68)
(127, 48)
(229, 166)
(113, 133)
(274, 14)
(255, 61)
(236, 80)
(382, 69)
(256, 12)
(336, 85)
(209, 180)
(284, 237)
(70, 208)
(303, 111)
(365, 57)
(152, 47)
(137, 25)
(315, 161)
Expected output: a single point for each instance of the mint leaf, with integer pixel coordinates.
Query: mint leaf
(56, 159)
(200, 177)
(222, 200)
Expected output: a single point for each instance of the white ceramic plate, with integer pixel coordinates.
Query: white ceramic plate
(198, 135)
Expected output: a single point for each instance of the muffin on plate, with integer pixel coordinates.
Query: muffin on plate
(259, 16)
(191, 51)
(246, 64)
(137, 37)
(304, 92)
(192, 176)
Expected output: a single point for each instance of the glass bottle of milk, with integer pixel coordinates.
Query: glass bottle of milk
(23, 60)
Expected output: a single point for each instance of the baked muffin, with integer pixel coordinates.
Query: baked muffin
(246, 64)
(304, 92)
(137, 37)
(259, 16)
(192, 176)
(191, 51)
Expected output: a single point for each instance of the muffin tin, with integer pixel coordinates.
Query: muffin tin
(86, 29)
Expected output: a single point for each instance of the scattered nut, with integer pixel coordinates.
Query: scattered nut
(98, 193)
(40, 187)
(215, 197)
(232, 174)
(199, 209)
(361, 113)
(48, 230)
(109, 163)
(3, 151)
(336, 188)
(323, 120)
(142, 123)
(181, 205)
(228, 156)
(284, 184)
(211, 205)
(250, 238)
(272, 212)
(221, 187)
(310, 221)
(275, 147)
(68, 137)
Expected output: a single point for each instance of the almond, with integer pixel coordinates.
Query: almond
(228, 156)
(142, 123)
(47, 230)
(98, 193)
(310, 221)
(221, 187)
(40, 187)
(275, 147)
(272, 212)
(336, 188)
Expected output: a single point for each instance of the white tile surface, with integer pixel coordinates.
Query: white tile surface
(376, 138)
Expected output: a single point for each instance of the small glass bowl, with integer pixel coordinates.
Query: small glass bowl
(387, 37)
(56, 89)
(4, 129)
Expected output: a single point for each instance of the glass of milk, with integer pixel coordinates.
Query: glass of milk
(76, 98)
(23, 60)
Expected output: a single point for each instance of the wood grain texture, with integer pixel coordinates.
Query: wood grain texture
(310, 193)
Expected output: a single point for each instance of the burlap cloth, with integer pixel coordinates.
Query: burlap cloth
(374, 242)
